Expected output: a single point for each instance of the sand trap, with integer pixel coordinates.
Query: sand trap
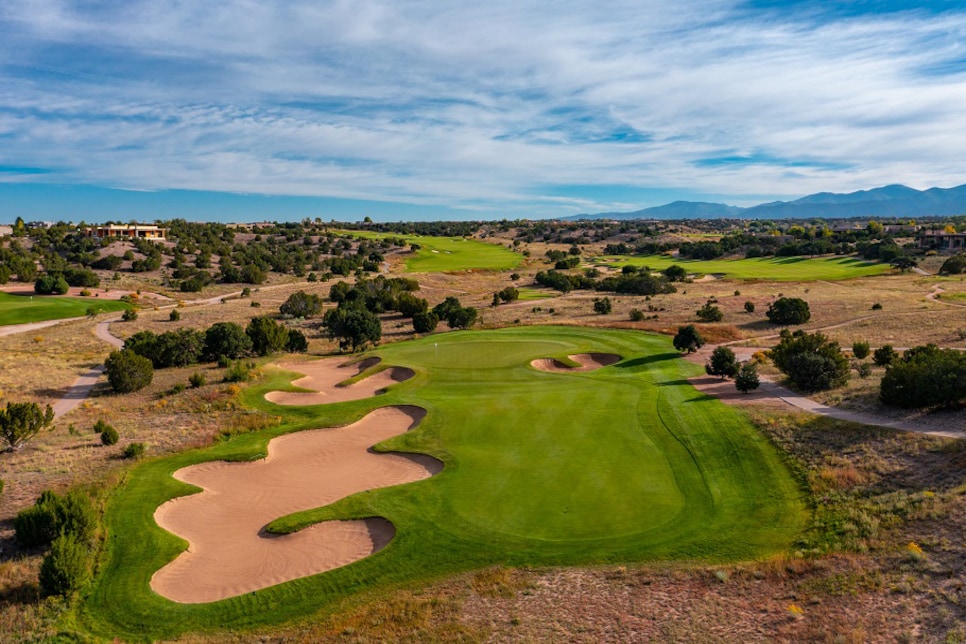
(229, 552)
(587, 362)
(323, 377)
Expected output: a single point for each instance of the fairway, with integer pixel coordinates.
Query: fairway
(779, 269)
(440, 254)
(21, 309)
(623, 463)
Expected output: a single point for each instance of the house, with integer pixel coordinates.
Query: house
(948, 242)
(127, 231)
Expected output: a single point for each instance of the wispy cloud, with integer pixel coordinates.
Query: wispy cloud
(485, 106)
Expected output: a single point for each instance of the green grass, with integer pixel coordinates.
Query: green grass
(21, 309)
(782, 269)
(625, 464)
(441, 254)
(527, 294)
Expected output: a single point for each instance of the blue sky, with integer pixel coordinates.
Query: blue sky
(241, 109)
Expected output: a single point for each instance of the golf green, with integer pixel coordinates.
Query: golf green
(21, 309)
(778, 269)
(441, 254)
(627, 463)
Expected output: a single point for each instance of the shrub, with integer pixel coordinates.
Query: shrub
(129, 315)
(811, 361)
(688, 339)
(508, 294)
(66, 568)
(197, 379)
(864, 369)
(860, 350)
(709, 313)
(53, 515)
(747, 378)
(109, 436)
(954, 265)
(19, 422)
(127, 371)
(675, 273)
(174, 316)
(749, 307)
(926, 376)
(602, 306)
(267, 335)
(425, 322)
(296, 342)
(51, 285)
(877, 307)
(722, 363)
(224, 361)
(637, 315)
(134, 450)
(788, 310)
(884, 355)
(226, 339)
(238, 372)
(301, 305)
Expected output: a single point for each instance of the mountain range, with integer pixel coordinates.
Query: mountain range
(887, 201)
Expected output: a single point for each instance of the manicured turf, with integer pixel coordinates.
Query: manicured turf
(782, 269)
(440, 254)
(625, 464)
(527, 294)
(21, 309)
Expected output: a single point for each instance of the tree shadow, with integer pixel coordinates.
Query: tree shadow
(646, 360)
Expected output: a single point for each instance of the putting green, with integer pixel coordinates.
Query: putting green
(627, 463)
(439, 254)
(779, 269)
(21, 309)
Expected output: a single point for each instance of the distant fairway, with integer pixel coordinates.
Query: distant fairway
(439, 254)
(21, 309)
(781, 269)
(627, 463)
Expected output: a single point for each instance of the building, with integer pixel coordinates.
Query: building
(944, 242)
(127, 231)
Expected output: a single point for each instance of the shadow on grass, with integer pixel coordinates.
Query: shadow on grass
(646, 360)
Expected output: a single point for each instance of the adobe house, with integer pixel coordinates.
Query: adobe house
(943, 242)
(127, 231)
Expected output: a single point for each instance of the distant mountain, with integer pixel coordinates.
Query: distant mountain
(887, 201)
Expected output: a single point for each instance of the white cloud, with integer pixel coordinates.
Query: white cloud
(467, 104)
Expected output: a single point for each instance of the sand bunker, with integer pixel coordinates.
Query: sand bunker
(230, 553)
(323, 377)
(587, 362)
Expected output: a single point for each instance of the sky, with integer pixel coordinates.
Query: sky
(442, 109)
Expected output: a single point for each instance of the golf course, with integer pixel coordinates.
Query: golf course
(21, 309)
(778, 269)
(609, 457)
(442, 254)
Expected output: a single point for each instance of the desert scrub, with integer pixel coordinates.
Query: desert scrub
(134, 451)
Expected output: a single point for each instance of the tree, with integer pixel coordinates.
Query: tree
(296, 342)
(925, 376)
(602, 306)
(252, 274)
(675, 273)
(353, 326)
(66, 568)
(904, 263)
(709, 313)
(747, 378)
(267, 335)
(688, 339)
(51, 285)
(811, 361)
(884, 355)
(788, 310)
(178, 348)
(722, 363)
(425, 322)
(860, 350)
(301, 305)
(20, 422)
(226, 339)
(749, 307)
(462, 318)
(128, 371)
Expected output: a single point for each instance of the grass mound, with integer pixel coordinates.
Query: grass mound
(627, 463)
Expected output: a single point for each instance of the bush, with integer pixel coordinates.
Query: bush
(51, 285)
(602, 306)
(353, 326)
(675, 273)
(224, 361)
(53, 515)
(926, 376)
(811, 361)
(197, 379)
(864, 369)
(749, 307)
(296, 342)
(884, 355)
(877, 306)
(788, 310)
(954, 265)
(267, 335)
(637, 315)
(134, 450)
(722, 363)
(860, 350)
(174, 316)
(226, 339)
(66, 568)
(19, 422)
(109, 436)
(238, 372)
(127, 371)
(129, 315)
(425, 322)
(709, 313)
(508, 294)
(688, 339)
(301, 305)
(747, 378)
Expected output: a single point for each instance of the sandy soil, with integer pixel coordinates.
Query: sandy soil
(323, 378)
(587, 362)
(230, 553)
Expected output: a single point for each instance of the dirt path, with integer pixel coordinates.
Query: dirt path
(80, 389)
(230, 553)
